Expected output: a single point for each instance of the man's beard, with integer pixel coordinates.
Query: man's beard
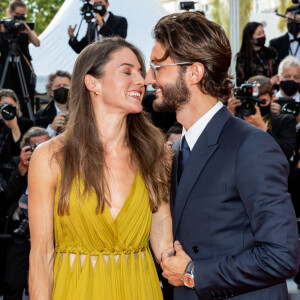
(174, 96)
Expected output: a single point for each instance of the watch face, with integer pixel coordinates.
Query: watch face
(188, 280)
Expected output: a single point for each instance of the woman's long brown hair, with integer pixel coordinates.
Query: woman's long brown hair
(82, 154)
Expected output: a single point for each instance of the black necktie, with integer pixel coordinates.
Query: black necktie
(183, 157)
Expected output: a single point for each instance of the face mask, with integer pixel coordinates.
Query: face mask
(100, 9)
(261, 41)
(60, 95)
(289, 87)
(293, 28)
(19, 18)
(265, 110)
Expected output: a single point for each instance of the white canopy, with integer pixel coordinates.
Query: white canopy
(56, 54)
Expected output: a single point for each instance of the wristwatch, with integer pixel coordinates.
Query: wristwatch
(188, 276)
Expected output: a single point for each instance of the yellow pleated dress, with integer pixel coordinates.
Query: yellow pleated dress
(86, 243)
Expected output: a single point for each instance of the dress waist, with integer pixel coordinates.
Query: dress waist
(78, 249)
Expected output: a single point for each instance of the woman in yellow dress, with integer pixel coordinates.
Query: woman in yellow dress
(98, 191)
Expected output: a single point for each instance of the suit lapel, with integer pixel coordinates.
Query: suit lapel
(204, 148)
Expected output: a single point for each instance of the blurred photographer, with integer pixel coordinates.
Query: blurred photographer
(106, 24)
(288, 44)
(17, 250)
(288, 79)
(281, 127)
(54, 116)
(12, 128)
(17, 11)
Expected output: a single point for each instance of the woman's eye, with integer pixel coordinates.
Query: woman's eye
(127, 72)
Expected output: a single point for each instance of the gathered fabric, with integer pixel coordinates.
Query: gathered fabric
(97, 257)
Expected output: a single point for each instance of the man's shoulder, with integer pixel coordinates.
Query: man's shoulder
(116, 18)
(49, 109)
(282, 117)
(279, 39)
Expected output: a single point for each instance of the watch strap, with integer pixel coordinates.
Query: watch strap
(190, 267)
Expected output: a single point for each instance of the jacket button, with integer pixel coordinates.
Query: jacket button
(195, 249)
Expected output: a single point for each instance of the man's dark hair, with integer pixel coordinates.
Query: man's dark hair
(175, 129)
(52, 76)
(189, 36)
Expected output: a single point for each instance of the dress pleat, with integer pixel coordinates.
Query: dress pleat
(101, 258)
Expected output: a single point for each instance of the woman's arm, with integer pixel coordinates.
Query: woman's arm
(161, 237)
(33, 38)
(42, 182)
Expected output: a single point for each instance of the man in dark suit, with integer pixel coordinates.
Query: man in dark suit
(54, 116)
(107, 24)
(231, 210)
(288, 44)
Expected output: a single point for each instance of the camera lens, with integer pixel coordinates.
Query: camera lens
(7, 111)
(247, 108)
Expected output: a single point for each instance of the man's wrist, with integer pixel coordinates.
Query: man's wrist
(188, 276)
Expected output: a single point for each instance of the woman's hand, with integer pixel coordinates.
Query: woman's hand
(33, 38)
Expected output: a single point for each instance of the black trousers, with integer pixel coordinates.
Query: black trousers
(16, 269)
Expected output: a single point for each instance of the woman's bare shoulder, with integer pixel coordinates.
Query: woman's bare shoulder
(47, 158)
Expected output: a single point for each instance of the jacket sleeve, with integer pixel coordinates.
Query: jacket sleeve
(261, 181)
(286, 135)
(120, 29)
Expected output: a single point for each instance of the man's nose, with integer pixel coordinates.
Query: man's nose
(149, 80)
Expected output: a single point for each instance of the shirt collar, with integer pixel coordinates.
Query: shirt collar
(296, 97)
(58, 111)
(193, 134)
(291, 37)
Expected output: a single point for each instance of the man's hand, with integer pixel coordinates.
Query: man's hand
(2, 28)
(275, 107)
(24, 160)
(174, 266)
(99, 20)
(71, 31)
(233, 103)
(256, 119)
(59, 121)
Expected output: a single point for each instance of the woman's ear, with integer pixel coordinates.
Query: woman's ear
(89, 82)
(196, 72)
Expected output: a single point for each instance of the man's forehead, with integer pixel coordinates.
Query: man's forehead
(291, 69)
(157, 52)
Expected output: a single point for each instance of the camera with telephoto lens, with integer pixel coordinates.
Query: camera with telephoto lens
(248, 94)
(7, 111)
(23, 229)
(289, 106)
(12, 26)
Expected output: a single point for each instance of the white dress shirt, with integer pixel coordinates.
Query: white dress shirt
(294, 46)
(98, 36)
(51, 131)
(193, 134)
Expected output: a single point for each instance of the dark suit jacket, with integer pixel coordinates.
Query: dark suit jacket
(282, 45)
(233, 215)
(284, 132)
(115, 25)
(45, 116)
